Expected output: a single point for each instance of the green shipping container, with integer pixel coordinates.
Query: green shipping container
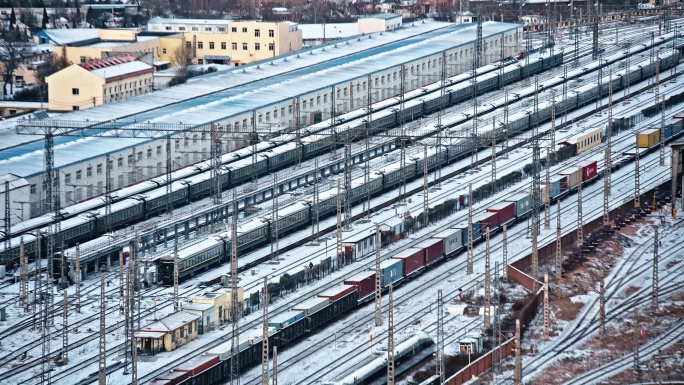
(523, 203)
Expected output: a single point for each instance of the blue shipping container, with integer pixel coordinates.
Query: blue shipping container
(668, 131)
(390, 271)
(555, 184)
(286, 319)
(464, 230)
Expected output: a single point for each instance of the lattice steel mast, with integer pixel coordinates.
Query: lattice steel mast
(234, 312)
(378, 287)
(390, 339)
(470, 230)
(264, 341)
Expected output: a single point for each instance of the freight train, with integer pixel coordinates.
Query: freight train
(313, 313)
(150, 198)
(89, 225)
(255, 233)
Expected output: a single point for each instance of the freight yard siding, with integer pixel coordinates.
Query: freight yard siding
(269, 98)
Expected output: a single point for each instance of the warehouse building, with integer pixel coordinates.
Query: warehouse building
(262, 94)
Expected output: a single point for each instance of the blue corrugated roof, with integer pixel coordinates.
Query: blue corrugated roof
(174, 106)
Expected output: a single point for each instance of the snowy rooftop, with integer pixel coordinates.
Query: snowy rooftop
(225, 94)
(384, 16)
(121, 69)
(71, 36)
(164, 20)
(171, 322)
(329, 30)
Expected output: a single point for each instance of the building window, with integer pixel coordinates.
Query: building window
(34, 188)
(271, 47)
(200, 45)
(139, 155)
(190, 329)
(177, 144)
(99, 169)
(221, 29)
(89, 171)
(75, 108)
(188, 45)
(83, 59)
(200, 61)
(195, 28)
(257, 47)
(244, 47)
(79, 174)
(149, 153)
(234, 46)
(244, 30)
(211, 45)
(223, 45)
(181, 28)
(159, 150)
(282, 111)
(268, 116)
(67, 178)
(233, 29)
(271, 33)
(207, 29)
(75, 91)
(119, 162)
(168, 28)
(164, 51)
(129, 159)
(257, 33)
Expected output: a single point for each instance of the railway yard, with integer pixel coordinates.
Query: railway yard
(413, 225)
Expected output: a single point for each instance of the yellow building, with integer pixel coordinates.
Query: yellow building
(222, 301)
(225, 41)
(91, 84)
(84, 44)
(168, 333)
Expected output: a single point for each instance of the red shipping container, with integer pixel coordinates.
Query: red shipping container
(487, 220)
(173, 377)
(434, 250)
(337, 292)
(413, 259)
(505, 211)
(364, 283)
(589, 169)
(198, 364)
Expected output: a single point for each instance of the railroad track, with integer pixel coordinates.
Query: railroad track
(482, 161)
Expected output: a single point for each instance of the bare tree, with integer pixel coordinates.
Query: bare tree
(54, 64)
(13, 50)
(181, 57)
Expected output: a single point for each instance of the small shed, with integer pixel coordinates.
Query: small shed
(222, 301)
(168, 333)
(394, 226)
(359, 246)
(206, 313)
(471, 343)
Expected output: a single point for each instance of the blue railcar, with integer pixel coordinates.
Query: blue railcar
(390, 271)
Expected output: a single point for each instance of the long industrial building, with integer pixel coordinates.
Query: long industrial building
(231, 98)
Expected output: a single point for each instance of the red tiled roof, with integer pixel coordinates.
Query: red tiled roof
(112, 61)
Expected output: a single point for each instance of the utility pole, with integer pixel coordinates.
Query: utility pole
(275, 248)
(264, 343)
(580, 223)
(504, 273)
(378, 288)
(602, 307)
(390, 339)
(606, 189)
(216, 191)
(636, 340)
(65, 329)
(37, 288)
(517, 372)
(402, 142)
(547, 197)
(176, 306)
(315, 220)
(551, 161)
(440, 337)
(339, 257)
(470, 230)
(535, 255)
(102, 363)
(169, 168)
(127, 330)
(559, 258)
(24, 290)
(654, 282)
(494, 154)
(78, 278)
(487, 300)
(108, 197)
(662, 132)
(8, 216)
(477, 58)
(275, 365)
(426, 185)
(609, 140)
(637, 188)
(234, 313)
(546, 307)
(347, 185)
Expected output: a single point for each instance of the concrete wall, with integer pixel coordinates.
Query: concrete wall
(74, 87)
